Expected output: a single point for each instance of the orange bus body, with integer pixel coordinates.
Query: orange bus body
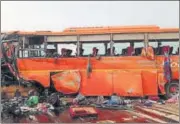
(125, 76)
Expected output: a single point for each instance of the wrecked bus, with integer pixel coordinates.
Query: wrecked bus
(99, 61)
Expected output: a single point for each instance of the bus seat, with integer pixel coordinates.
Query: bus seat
(171, 50)
(124, 51)
(95, 51)
(63, 52)
(158, 51)
(138, 51)
(177, 51)
(154, 49)
(165, 49)
(108, 53)
(81, 51)
(130, 51)
(69, 52)
(113, 50)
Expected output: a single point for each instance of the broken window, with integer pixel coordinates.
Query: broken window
(94, 49)
(128, 48)
(158, 46)
(67, 49)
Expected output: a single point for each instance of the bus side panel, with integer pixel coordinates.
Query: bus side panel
(127, 83)
(149, 81)
(42, 77)
(174, 65)
(161, 82)
(28, 71)
(175, 74)
(99, 83)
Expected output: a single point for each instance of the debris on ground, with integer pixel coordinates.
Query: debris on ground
(153, 98)
(78, 99)
(106, 121)
(114, 100)
(161, 101)
(4, 95)
(33, 118)
(17, 93)
(174, 99)
(79, 111)
(32, 101)
(148, 103)
(21, 106)
(53, 99)
(84, 108)
(100, 100)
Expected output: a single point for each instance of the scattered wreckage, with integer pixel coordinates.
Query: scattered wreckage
(88, 109)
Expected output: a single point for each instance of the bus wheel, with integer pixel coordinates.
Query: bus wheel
(172, 89)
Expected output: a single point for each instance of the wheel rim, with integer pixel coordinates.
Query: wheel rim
(173, 89)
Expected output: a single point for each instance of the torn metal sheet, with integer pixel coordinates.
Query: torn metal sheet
(67, 82)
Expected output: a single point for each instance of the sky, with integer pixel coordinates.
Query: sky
(58, 15)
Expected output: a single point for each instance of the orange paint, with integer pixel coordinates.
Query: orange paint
(67, 82)
(41, 77)
(102, 30)
(120, 75)
(150, 84)
(174, 67)
(127, 83)
(98, 83)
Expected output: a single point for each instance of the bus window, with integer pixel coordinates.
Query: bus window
(32, 47)
(94, 49)
(160, 47)
(36, 52)
(128, 48)
(108, 49)
(31, 53)
(121, 48)
(138, 48)
(67, 50)
(51, 50)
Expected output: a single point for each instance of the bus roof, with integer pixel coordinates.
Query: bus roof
(101, 30)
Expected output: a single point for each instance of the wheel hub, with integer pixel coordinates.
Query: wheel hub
(173, 89)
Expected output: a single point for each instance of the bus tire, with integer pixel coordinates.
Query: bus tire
(172, 89)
